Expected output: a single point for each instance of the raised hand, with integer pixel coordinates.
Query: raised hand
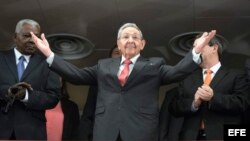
(201, 42)
(42, 45)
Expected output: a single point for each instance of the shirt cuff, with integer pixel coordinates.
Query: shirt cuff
(26, 97)
(196, 57)
(50, 59)
(193, 108)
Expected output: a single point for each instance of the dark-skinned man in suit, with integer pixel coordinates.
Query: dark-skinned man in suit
(25, 97)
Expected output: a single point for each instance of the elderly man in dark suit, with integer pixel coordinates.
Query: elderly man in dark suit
(127, 103)
(88, 115)
(209, 105)
(27, 87)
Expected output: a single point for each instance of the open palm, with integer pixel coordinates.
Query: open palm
(42, 45)
(203, 40)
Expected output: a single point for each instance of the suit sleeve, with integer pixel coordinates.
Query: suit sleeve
(181, 103)
(47, 96)
(234, 101)
(178, 72)
(74, 75)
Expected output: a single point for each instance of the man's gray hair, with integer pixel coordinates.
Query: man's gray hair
(126, 25)
(22, 22)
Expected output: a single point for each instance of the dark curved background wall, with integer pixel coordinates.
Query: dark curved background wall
(160, 20)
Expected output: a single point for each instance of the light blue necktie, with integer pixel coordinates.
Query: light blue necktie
(20, 66)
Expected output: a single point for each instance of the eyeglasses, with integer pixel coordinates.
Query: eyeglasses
(134, 37)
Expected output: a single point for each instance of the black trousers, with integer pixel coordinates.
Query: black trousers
(13, 136)
(201, 135)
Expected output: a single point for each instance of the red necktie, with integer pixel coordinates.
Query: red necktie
(125, 72)
(207, 81)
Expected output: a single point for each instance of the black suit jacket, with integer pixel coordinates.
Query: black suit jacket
(27, 120)
(88, 116)
(170, 126)
(229, 101)
(131, 111)
(246, 115)
(71, 119)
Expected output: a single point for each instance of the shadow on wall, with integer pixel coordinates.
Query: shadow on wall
(237, 51)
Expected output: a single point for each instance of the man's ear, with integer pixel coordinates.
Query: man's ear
(216, 47)
(143, 44)
(118, 44)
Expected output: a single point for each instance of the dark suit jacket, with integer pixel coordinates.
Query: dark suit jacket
(246, 115)
(131, 111)
(226, 106)
(71, 119)
(170, 126)
(88, 115)
(27, 119)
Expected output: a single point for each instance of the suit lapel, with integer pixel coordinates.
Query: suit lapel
(139, 64)
(218, 76)
(197, 79)
(34, 61)
(114, 68)
(11, 62)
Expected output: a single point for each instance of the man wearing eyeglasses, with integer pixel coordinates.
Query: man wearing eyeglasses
(27, 87)
(128, 86)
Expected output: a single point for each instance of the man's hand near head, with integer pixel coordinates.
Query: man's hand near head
(201, 42)
(42, 45)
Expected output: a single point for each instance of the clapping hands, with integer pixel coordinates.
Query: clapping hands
(18, 90)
